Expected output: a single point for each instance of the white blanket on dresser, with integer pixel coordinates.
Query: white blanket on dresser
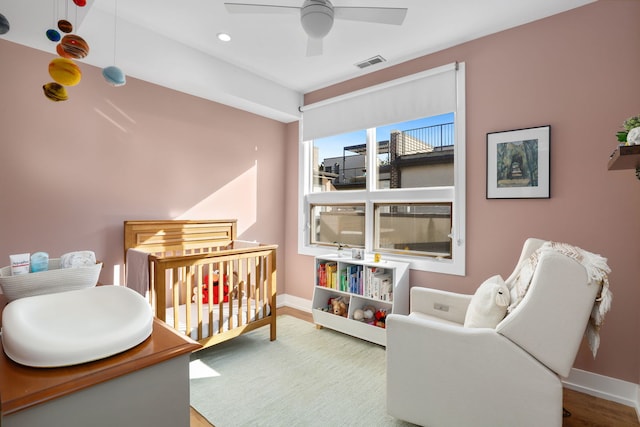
(228, 322)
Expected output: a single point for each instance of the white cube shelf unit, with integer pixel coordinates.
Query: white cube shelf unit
(383, 285)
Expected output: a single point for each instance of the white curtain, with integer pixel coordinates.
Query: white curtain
(424, 94)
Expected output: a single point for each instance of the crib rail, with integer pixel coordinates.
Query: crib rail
(178, 237)
(246, 290)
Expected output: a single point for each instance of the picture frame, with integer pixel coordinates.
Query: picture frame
(518, 163)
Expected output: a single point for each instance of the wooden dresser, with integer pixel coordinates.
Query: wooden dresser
(146, 385)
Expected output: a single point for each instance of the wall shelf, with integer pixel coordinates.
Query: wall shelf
(625, 157)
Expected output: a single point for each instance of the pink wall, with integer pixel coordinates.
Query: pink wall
(73, 171)
(578, 72)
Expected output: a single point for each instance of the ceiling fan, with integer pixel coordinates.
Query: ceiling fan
(316, 17)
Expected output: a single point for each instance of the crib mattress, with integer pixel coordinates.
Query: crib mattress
(74, 327)
(237, 318)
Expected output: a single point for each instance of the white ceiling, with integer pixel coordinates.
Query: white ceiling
(263, 69)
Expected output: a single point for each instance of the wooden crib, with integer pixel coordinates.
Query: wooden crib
(202, 281)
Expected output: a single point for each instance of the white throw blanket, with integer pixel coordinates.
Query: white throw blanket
(77, 259)
(597, 271)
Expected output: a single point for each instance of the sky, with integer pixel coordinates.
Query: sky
(332, 146)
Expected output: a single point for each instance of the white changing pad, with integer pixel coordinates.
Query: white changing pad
(75, 327)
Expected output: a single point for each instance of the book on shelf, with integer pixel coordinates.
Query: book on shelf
(321, 276)
(344, 281)
(355, 279)
(379, 284)
(328, 275)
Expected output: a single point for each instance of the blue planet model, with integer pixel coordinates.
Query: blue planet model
(114, 76)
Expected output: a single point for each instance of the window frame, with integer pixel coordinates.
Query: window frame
(456, 265)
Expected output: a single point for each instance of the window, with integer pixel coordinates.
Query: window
(383, 169)
(338, 224)
(419, 229)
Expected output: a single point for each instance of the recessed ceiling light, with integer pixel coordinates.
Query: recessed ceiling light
(224, 37)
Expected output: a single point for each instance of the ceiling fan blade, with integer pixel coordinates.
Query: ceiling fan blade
(379, 15)
(261, 8)
(314, 46)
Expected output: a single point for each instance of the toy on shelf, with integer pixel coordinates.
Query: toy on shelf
(365, 314)
(338, 306)
(381, 316)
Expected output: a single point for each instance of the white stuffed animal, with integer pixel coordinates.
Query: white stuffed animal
(488, 305)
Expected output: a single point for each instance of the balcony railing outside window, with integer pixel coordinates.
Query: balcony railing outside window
(397, 151)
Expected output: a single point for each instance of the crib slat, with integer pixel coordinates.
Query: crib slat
(240, 291)
(220, 299)
(198, 297)
(229, 303)
(186, 280)
(256, 293)
(273, 291)
(176, 297)
(210, 296)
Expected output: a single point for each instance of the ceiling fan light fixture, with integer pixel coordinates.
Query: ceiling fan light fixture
(316, 18)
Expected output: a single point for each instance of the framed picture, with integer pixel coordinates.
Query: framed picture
(518, 164)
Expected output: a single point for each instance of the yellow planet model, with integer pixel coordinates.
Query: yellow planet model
(65, 71)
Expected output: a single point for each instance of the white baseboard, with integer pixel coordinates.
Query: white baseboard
(294, 302)
(615, 390)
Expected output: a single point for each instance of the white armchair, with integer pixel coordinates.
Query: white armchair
(440, 373)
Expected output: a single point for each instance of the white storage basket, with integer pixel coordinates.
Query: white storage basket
(54, 280)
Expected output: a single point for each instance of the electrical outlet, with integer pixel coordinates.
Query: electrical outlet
(440, 307)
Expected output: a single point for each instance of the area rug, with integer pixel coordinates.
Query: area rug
(307, 377)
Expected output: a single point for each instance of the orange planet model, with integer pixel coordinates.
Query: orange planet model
(74, 46)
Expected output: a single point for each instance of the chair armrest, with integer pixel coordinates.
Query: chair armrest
(441, 304)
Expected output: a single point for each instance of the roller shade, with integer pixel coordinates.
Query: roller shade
(424, 94)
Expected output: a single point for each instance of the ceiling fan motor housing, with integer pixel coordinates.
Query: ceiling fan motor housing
(316, 17)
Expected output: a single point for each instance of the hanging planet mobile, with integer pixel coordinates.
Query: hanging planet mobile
(74, 46)
(65, 26)
(65, 71)
(55, 92)
(4, 24)
(53, 35)
(114, 76)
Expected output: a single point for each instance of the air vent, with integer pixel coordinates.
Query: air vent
(371, 61)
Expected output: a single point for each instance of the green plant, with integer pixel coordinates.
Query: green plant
(630, 123)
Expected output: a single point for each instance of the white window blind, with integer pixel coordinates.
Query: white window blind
(424, 94)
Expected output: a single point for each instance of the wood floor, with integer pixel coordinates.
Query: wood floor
(586, 411)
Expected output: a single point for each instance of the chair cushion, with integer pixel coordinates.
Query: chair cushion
(488, 305)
